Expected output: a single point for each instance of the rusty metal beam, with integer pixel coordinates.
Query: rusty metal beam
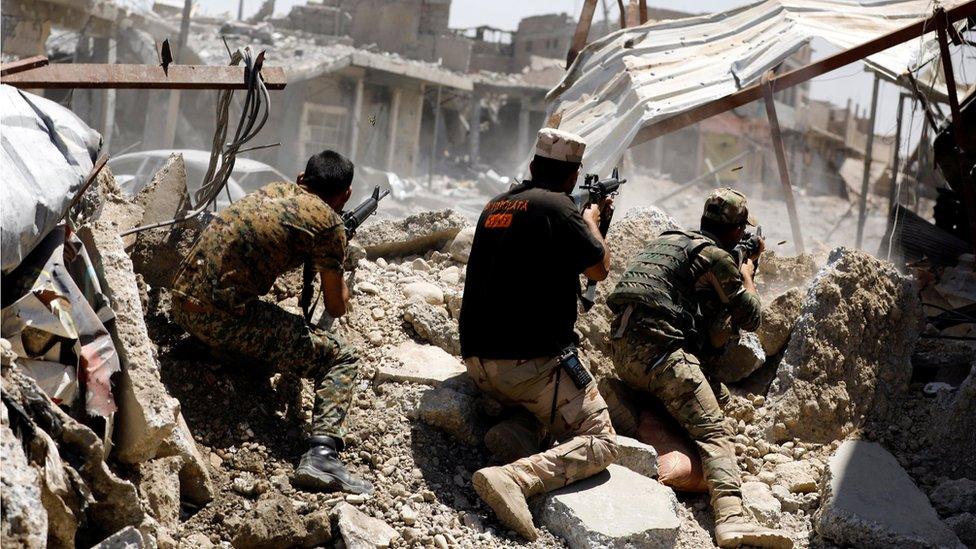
(141, 77)
(802, 74)
(642, 11)
(784, 168)
(582, 31)
(623, 14)
(22, 65)
(968, 184)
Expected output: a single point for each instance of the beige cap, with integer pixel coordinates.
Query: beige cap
(560, 145)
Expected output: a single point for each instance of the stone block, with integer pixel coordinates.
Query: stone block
(424, 292)
(868, 500)
(635, 455)
(799, 477)
(433, 324)
(159, 488)
(147, 414)
(126, 538)
(615, 508)
(360, 531)
(24, 519)
(414, 235)
(742, 356)
(778, 319)
(954, 496)
(412, 362)
(196, 484)
(460, 247)
(759, 501)
(453, 412)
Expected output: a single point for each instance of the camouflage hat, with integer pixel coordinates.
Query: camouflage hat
(728, 206)
(560, 145)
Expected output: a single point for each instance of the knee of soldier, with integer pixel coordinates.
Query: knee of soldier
(710, 429)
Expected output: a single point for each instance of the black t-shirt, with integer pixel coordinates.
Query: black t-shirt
(529, 249)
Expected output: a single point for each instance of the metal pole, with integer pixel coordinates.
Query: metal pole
(240, 10)
(642, 7)
(108, 100)
(433, 141)
(623, 14)
(474, 129)
(784, 170)
(582, 31)
(391, 137)
(893, 192)
(868, 154)
(966, 182)
(357, 106)
(173, 109)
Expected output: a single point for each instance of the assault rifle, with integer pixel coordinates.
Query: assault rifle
(748, 247)
(593, 191)
(351, 221)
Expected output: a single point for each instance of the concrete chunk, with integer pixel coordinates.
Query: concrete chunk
(615, 508)
(454, 412)
(870, 501)
(415, 363)
(127, 538)
(360, 531)
(760, 502)
(433, 325)
(195, 482)
(24, 522)
(635, 455)
(414, 235)
(147, 414)
(159, 487)
(742, 356)
(778, 319)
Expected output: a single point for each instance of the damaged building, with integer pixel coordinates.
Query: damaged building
(851, 407)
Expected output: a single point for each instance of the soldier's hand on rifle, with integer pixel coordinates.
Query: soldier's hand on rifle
(748, 269)
(606, 206)
(592, 217)
(760, 249)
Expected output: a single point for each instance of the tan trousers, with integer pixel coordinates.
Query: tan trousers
(585, 440)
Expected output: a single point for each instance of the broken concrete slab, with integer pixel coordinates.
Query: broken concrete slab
(412, 362)
(614, 508)
(951, 427)
(414, 235)
(24, 519)
(635, 455)
(759, 501)
(166, 195)
(742, 356)
(360, 531)
(778, 319)
(126, 538)
(433, 325)
(159, 488)
(117, 210)
(147, 414)
(453, 412)
(196, 484)
(799, 477)
(850, 352)
(460, 247)
(868, 500)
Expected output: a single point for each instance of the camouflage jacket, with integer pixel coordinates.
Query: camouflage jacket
(249, 244)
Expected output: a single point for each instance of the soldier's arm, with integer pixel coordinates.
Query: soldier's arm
(734, 288)
(335, 293)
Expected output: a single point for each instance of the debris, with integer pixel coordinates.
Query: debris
(614, 508)
(159, 487)
(416, 363)
(195, 482)
(759, 502)
(743, 355)
(952, 497)
(433, 325)
(424, 291)
(635, 455)
(778, 273)
(147, 414)
(870, 501)
(460, 247)
(360, 531)
(273, 523)
(964, 525)
(778, 319)
(24, 522)
(951, 428)
(850, 352)
(414, 235)
(454, 412)
(799, 477)
(127, 538)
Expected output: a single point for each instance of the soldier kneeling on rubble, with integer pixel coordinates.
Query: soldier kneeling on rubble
(237, 259)
(668, 290)
(516, 327)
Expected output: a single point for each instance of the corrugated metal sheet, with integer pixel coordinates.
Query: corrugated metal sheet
(640, 75)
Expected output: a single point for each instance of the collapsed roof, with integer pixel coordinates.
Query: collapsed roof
(638, 76)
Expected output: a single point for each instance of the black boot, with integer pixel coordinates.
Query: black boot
(320, 470)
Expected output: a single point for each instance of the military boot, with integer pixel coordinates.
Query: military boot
(320, 470)
(513, 439)
(502, 491)
(737, 531)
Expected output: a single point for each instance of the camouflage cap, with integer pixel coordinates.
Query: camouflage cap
(560, 145)
(728, 206)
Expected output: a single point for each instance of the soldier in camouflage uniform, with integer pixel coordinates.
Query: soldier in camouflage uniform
(669, 308)
(237, 259)
(516, 327)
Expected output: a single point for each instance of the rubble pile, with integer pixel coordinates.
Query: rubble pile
(204, 446)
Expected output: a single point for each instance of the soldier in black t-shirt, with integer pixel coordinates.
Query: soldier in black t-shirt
(517, 316)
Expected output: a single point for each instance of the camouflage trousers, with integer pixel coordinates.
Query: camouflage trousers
(586, 442)
(675, 377)
(270, 334)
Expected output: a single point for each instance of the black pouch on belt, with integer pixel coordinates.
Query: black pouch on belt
(570, 363)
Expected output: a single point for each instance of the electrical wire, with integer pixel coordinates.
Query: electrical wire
(254, 114)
